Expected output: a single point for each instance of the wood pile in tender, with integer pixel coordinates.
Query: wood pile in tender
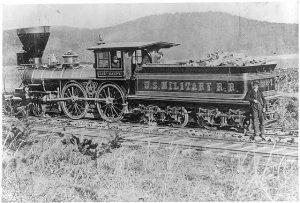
(220, 58)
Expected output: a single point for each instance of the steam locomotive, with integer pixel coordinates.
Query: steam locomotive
(121, 85)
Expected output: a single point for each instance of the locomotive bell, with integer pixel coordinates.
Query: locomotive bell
(34, 41)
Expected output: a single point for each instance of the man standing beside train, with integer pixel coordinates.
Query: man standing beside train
(258, 109)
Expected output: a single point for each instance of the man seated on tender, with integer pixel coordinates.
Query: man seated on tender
(146, 57)
(160, 57)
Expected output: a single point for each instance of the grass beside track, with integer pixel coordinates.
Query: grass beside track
(44, 169)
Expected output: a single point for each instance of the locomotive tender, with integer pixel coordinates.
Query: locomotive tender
(122, 85)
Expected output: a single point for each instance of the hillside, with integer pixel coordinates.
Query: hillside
(198, 34)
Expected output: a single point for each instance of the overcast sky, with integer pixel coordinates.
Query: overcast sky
(104, 15)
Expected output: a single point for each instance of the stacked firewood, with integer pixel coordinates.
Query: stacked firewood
(220, 58)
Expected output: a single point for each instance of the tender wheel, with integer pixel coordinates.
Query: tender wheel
(181, 118)
(37, 109)
(111, 109)
(74, 107)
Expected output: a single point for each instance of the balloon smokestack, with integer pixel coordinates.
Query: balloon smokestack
(34, 41)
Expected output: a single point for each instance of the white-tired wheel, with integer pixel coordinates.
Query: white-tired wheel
(111, 108)
(181, 117)
(74, 107)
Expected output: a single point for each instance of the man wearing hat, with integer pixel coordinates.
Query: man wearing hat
(258, 108)
(161, 57)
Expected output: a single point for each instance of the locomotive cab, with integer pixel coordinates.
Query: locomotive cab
(121, 60)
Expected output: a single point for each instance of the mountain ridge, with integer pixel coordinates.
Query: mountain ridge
(198, 33)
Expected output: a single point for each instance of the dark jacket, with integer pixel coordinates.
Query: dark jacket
(259, 96)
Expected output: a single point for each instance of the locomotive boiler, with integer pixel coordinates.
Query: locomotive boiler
(126, 83)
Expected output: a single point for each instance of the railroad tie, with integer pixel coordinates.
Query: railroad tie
(294, 153)
(72, 131)
(154, 139)
(265, 149)
(275, 151)
(235, 146)
(214, 145)
(186, 141)
(132, 136)
(246, 148)
(97, 134)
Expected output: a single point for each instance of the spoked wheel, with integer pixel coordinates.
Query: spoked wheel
(74, 107)
(181, 117)
(112, 107)
(7, 108)
(37, 109)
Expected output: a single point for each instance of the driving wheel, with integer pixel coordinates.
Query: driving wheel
(111, 107)
(74, 107)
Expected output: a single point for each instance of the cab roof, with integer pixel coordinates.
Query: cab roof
(133, 46)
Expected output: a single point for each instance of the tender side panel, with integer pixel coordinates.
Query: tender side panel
(216, 88)
(198, 86)
(266, 80)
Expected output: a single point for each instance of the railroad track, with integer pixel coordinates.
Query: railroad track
(222, 134)
(277, 136)
(182, 138)
(277, 131)
(181, 141)
(185, 138)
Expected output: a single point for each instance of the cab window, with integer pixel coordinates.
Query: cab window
(137, 57)
(103, 60)
(116, 59)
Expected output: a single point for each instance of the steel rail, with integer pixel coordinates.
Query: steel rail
(272, 152)
(197, 143)
(155, 133)
(182, 140)
(165, 130)
(207, 143)
(186, 131)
